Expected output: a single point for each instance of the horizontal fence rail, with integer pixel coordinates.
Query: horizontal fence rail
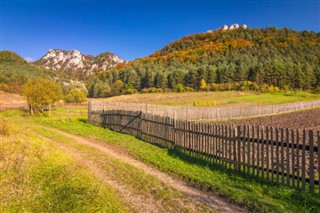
(281, 155)
(22, 106)
(206, 113)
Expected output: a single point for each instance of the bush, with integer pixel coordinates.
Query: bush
(179, 88)
(131, 91)
(188, 89)
(152, 90)
(214, 87)
(75, 96)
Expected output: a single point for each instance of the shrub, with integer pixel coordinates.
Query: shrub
(179, 88)
(131, 91)
(75, 96)
(214, 87)
(188, 89)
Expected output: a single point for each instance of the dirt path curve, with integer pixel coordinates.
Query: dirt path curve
(212, 201)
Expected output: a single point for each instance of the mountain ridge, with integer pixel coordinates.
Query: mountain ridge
(77, 63)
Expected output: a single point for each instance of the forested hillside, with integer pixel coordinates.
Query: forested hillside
(221, 60)
(15, 71)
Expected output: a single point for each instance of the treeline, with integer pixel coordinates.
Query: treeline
(281, 58)
(15, 71)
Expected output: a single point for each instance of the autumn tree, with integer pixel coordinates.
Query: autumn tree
(41, 94)
(75, 96)
(203, 84)
(117, 88)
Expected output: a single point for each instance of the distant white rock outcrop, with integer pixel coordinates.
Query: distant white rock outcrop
(235, 26)
(226, 27)
(74, 61)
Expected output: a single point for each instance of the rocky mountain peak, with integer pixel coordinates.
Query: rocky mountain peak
(76, 62)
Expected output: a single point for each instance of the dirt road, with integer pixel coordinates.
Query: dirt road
(192, 198)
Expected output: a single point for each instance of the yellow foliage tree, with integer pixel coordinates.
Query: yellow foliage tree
(41, 94)
(203, 84)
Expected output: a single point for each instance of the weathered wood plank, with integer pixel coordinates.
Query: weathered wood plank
(292, 158)
(311, 161)
(262, 154)
(282, 156)
(267, 150)
(258, 151)
(298, 159)
(287, 157)
(318, 143)
(243, 144)
(230, 146)
(249, 151)
(272, 154)
(304, 160)
(277, 156)
(253, 153)
(234, 141)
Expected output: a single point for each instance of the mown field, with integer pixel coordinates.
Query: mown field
(226, 98)
(37, 173)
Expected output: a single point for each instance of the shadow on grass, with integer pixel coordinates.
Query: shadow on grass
(203, 161)
(83, 120)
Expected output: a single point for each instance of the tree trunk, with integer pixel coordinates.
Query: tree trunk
(49, 113)
(30, 109)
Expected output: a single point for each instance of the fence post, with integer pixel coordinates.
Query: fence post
(89, 111)
(318, 143)
(311, 161)
(140, 125)
(238, 147)
(174, 133)
(186, 113)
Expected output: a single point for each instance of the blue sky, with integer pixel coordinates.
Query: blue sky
(133, 28)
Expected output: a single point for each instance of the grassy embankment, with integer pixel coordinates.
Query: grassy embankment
(48, 179)
(37, 177)
(244, 189)
(206, 99)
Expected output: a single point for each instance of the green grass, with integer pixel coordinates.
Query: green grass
(37, 177)
(244, 189)
(55, 180)
(134, 179)
(274, 98)
(208, 99)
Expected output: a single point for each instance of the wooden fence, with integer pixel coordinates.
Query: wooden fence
(204, 113)
(280, 155)
(22, 106)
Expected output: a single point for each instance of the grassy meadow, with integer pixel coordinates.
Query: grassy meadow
(248, 191)
(36, 176)
(40, 176)
(225, 98)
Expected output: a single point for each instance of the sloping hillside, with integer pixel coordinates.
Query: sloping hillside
(15, 71)
(280, 57)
